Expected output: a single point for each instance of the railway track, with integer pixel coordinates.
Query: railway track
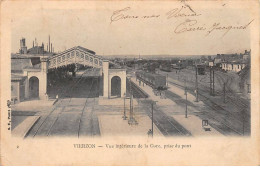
(221, 128)
(233, 97)
(49, 131)
(230, 94)
(167, 125)
(225, 128)
(137, 92)
(59, 104)
(91, 113)
(223, 119)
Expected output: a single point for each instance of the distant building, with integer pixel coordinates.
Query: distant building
(245, 80)
(246, 55)
(233, 66)
(235, 62)
(23, 47)
(217, 61)
(211, 63)
(22, 62)
(18, 87)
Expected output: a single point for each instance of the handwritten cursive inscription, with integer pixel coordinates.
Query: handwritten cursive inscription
(188, 26)
(218, 26)
(122, 15)
(189, 23)
(193, 25)
(181, 12)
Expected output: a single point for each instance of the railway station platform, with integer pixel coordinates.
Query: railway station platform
(177, 111)
(26, 114)
(110, 113)
(23, 125)
(194, 125)
(180, 92)
(33, 105)
(151, 94)
(99, 116)
(115, 126)
(116, 102)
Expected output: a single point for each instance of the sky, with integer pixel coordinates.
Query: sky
(88, 24)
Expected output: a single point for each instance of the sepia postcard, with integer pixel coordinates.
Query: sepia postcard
(132, 83)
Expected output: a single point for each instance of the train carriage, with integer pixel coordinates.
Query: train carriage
(166, 68)
(201, 69)
(156, 81)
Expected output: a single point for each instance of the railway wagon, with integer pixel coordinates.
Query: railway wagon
(201, 69)
(156, 81)
(166, 68)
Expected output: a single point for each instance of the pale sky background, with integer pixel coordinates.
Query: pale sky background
(88, 25)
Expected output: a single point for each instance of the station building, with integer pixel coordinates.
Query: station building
(24, 65)
(30, 68)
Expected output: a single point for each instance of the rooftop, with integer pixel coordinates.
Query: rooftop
(26, 56)
(19, 64)
(17, 77)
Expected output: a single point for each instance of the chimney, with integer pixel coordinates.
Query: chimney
(22, 42)
(23, 48)
(49, 43)
(42, 47)
(33, 44)
(51, 47)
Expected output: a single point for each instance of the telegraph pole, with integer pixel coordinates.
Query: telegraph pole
(186, 110)
(213, 82)
(243, 114)
(210, 80)
(132, 106)
(131, 120)
(130, 96)
(224, 92)
(124, 116)
(154, 102)
(185, 93)
(152, 119)
(197, 94)
(131, 115)
(167, 80)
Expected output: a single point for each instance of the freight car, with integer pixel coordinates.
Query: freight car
(201, 69)
(166, 68)
(156, 81)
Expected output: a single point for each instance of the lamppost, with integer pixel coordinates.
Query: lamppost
(224, 92)
(124, 116)
(131, 120)
(150, 132)
(197, 94)
(130, 83)
(186, 110)
(248, 87)
(243, 116)
(178, 68)
(167, 80)
(212, 80)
